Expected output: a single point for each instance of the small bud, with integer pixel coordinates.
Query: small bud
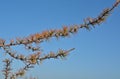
(2, 42)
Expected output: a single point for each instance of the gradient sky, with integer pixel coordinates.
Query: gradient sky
(97, 53)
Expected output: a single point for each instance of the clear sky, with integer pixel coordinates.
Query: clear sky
(97, 53)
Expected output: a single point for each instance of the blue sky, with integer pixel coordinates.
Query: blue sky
(97, 53)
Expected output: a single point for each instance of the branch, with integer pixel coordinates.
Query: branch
(7, 68)
(34, 59)
(61, 54)
(64, 32)
(21, 72)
